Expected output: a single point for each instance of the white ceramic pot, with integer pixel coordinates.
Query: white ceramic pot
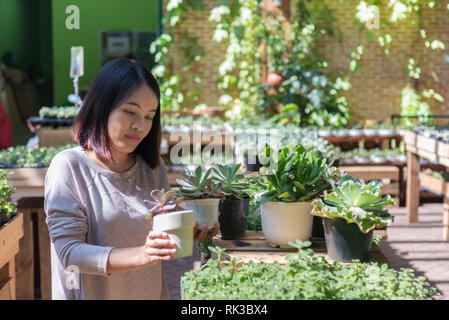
(179, 226)
(206, 210)
(286, 221)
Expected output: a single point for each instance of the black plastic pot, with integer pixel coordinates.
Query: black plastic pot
(233, 218)
(3, 217)
(345, 242)
(253, 167)
(317, 227)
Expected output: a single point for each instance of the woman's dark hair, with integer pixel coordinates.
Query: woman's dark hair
(115, 81)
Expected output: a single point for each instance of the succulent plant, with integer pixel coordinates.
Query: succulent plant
(199, 184)
(233, 184)
(299, 175)
(163, 202)
(355, 202)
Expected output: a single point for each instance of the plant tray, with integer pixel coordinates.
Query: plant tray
(433, 184)
(51, 122)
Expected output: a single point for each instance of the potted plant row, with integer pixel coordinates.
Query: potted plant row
(23, 157)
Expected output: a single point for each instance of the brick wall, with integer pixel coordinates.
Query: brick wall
(376, 88)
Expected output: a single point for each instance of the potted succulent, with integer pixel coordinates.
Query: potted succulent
(285, 207)
(234, 207)
(201, 193)
(350, 213)
(168, 216)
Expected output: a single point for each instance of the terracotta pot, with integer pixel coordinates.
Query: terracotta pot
(274, 78)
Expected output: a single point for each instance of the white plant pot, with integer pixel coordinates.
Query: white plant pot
(206, 210)
(179, 226)
(286, 221)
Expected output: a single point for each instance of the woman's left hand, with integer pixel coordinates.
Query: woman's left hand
(203, 233)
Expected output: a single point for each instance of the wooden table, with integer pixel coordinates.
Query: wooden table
(253, 247)
(417, 146)
(29, 182)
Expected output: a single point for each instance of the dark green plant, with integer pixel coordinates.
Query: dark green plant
(233, 184)
(305, 276)
(299, 175)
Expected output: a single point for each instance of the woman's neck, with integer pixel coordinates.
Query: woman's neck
(123, 162)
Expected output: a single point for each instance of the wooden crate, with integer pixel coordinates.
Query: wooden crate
(33, 259)
(29, 182)
(369, 173)
(253, 247)
(49, 136)
(10, 234)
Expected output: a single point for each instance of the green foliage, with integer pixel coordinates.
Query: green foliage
(58, 112)
(199, 184)
(169, 79)
(319, 99)
(413, 105)
(240, 27)
(303, 277)
(233, 184)
(298, 175)
(21, 156)
(355, 202)
(6, 191)
(163, 202)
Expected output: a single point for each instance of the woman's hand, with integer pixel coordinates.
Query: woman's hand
(203, 233)
(158, 247)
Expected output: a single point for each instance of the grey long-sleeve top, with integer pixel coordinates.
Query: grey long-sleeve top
(91, 210)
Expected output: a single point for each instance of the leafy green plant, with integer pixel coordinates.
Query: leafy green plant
(298, 175)
(6, 191)
(199, 184)
(305, 276)
(233, 184)
(355, 202)
(163, 202)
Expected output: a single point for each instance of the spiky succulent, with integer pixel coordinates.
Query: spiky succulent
(163, 202)
(355, 202)
(299, 175)
(233, 184)
(199, 184)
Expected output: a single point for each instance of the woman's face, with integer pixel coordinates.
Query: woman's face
(132, 120)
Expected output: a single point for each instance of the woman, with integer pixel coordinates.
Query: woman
(101, 245)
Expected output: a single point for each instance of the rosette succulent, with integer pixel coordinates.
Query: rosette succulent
(199, 184)
(355, 202)
(233, 184)
(163, 202)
